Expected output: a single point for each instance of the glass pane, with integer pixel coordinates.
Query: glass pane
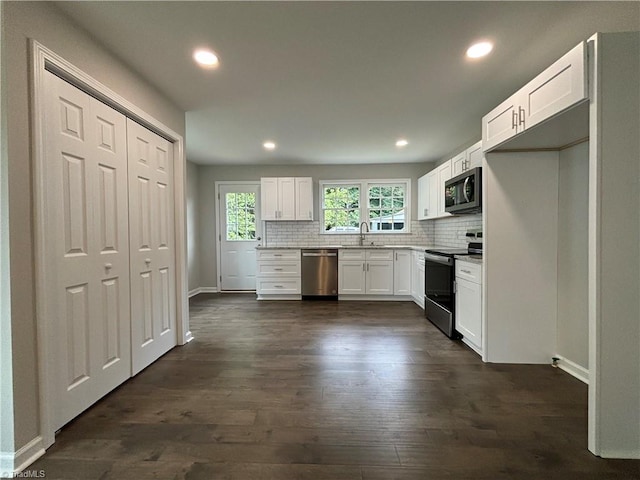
(386, 191)
(398, 192)
(341, 197)
(374, 202)
(398, 202)
(386, 203)
(241, 218)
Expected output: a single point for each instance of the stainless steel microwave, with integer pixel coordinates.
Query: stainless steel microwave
(463, 193)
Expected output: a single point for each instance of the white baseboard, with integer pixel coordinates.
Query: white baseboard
(15, 462)
(573, 369)
(199, 290)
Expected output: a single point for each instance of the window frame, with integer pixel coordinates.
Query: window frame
(364, 185)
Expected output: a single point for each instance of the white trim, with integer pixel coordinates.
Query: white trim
(15, 462)
(208, 289)
(44, 59)
(259, 222)
(375, 298)
(199, 290)
(573, 369)
(473, 347)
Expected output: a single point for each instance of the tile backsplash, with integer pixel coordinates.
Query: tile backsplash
(307, 234)
(444, 232)
(450, 231)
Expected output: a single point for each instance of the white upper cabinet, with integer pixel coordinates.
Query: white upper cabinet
(559, 87)
(459, 163)
(423, 197)
(474, 156)
(431, 192)
(304, 198)
(286, 198)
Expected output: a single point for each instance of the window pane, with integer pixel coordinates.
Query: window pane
(398, 202)
(374, 202)
(241, 217)
(386, 191)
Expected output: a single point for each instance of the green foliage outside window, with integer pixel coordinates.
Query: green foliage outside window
(341, 206)
(241, 216)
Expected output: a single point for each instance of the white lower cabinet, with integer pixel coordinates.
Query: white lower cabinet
(402, 272)
(365, 272)
(417, 277)
(278, 274)
(469, 303)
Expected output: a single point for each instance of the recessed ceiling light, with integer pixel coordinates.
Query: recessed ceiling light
(402, 142)
(269, 145)
(479, 49)
(206, 58)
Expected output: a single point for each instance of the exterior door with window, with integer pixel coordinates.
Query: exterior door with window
(239, 235)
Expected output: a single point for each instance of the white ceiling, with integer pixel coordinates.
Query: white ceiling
(339, 82)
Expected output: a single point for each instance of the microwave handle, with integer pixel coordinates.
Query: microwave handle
(464, 189)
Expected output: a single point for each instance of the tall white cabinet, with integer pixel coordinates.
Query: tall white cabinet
(109, 248)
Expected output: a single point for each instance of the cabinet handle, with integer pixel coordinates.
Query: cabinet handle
(278, 269)
(396, 255)
(521, 116)
(277, 254)
(514, 119)
(466, 271)
(363, 267)
(310, 216)
(367, 267)
(426, 210)
(147, 261)
(107, 266)
(278, 286)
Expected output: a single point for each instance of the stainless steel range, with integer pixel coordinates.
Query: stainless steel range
(439, 278)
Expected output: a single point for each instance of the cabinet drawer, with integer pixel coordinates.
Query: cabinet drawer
(349, 254)
(275, 268)
(379, 254)
(279, 254)
(469, 271)
(274, 286)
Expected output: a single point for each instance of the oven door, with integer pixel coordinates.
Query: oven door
(439, 300)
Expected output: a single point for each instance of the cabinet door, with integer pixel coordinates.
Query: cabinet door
(414, 275)
(423, 197)
(459, 164)
(379, 277)
(444, 174)
(559, 87)
(402, 272)
(304, 198)
(469, 310)
(351, 277)
(421, 282)
(501, 123)
(286, 198)
(475, 156)
(269, 198)
(434, 193)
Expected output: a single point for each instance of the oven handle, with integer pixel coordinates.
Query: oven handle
(464, 189)
(438, 259)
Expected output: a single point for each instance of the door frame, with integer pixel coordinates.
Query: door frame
(42, 59)
(219, 223)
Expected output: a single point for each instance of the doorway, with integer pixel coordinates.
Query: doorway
(239, 233)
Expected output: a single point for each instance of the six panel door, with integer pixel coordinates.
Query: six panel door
(153, 330)
(86, 249)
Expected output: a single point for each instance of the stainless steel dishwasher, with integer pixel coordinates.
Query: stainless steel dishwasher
(319, 272)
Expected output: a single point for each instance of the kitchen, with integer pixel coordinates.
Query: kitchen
(531, 175)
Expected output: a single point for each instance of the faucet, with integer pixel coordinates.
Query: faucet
(363, 224)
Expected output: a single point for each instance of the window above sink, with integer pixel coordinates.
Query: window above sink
(383, 206)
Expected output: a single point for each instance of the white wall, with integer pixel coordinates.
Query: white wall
(573, 219)
(208, 175)
(193, 239)
(520, 253)
(614, 248)
(43, 22)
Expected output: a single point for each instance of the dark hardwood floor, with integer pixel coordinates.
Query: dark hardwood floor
(330, 391)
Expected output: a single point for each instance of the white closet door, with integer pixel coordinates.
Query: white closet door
(153, 330)
(87, 249)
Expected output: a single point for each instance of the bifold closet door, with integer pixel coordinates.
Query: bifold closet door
(86, 249)
(153, 319)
